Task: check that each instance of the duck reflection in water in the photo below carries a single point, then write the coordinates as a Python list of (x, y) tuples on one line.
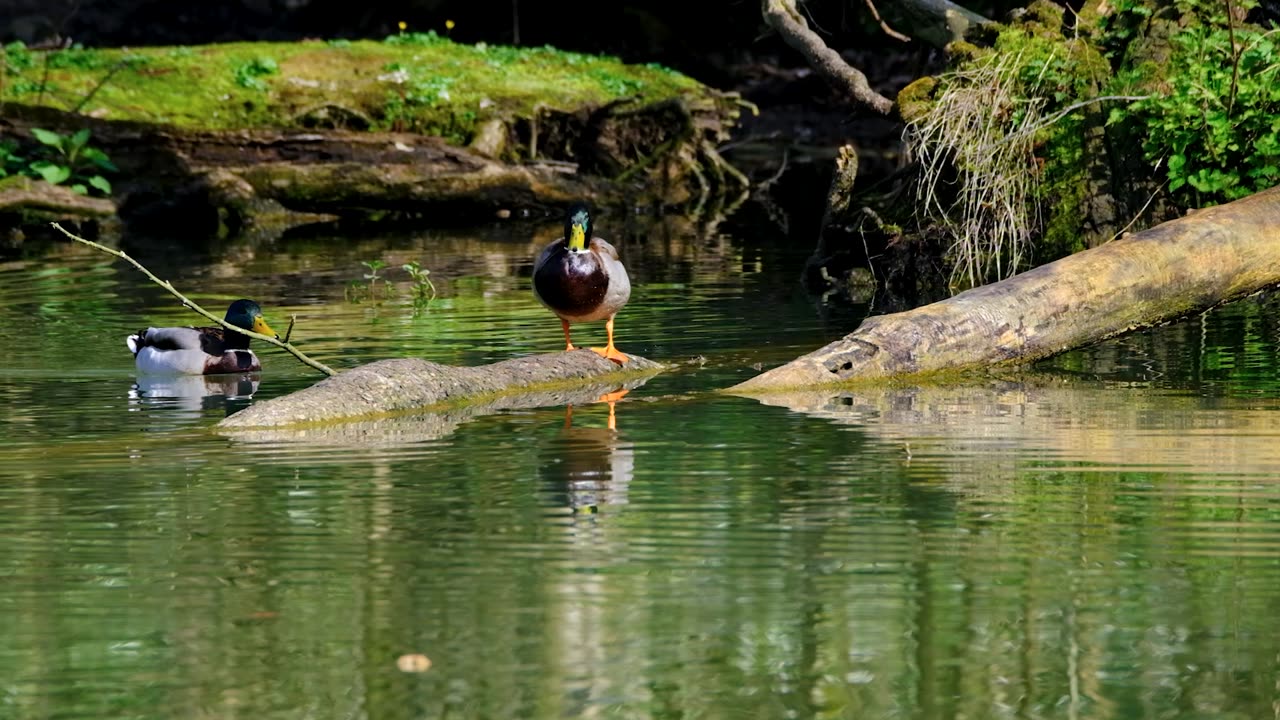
[(195, 393), (588, 468)]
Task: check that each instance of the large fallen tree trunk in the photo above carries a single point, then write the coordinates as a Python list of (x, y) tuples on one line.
[(1170, 271), (412, 384)]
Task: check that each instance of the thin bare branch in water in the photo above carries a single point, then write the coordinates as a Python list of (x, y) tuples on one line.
[(186, 302)]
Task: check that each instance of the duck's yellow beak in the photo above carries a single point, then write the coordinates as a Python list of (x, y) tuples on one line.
[(261, 327), (577, 237)]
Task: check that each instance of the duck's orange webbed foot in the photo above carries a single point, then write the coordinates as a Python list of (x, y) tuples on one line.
[(609, 352)]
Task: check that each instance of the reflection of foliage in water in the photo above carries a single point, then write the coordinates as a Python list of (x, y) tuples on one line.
[(766, 562)]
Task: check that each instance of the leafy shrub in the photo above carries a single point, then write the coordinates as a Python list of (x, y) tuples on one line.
[(70, 159), (1212, 118)]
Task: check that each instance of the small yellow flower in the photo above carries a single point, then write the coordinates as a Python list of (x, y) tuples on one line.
[(403, 25), (448, 24)]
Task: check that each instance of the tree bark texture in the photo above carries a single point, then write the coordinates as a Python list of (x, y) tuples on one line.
[(1170, 271)]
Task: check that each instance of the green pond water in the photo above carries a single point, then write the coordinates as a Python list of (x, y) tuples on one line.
[(1098, 539)]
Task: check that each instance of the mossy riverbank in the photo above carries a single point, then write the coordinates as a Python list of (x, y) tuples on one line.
[(225, 126), (419, 83)]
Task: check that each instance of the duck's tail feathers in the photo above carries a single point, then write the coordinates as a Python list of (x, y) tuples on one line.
[(134, 342)]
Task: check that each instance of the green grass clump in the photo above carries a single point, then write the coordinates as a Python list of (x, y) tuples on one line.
[(417, 82)]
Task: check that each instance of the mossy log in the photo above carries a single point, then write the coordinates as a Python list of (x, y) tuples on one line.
[(407, 385), (1170, 271), (23, 195)]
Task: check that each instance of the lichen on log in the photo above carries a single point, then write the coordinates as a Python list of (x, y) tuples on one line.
[(1162, 274), (411, 384)]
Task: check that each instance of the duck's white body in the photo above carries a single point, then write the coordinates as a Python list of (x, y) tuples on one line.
[(187, 351)]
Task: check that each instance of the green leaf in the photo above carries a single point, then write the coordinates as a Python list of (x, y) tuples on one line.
[(48, 137), (52, 173), (80, 138), (80, 189), (101, 183), (99, 158)]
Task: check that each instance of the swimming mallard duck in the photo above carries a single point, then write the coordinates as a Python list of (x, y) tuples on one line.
[(201, 350), (582, 280)]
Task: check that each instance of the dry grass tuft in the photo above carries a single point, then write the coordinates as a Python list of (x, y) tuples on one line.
[(979, 177)]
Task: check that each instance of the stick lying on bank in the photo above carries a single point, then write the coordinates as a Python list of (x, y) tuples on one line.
[(193, 306), (1165, 273)]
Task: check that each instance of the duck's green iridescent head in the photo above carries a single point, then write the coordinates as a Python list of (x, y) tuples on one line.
[(577, 226), (246, 314)]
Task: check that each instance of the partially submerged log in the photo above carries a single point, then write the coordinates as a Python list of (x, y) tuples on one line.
[(1170, 271), (399, 430), (408, 385)]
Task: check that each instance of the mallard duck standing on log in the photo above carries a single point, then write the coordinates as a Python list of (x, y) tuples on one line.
[(580, 279)]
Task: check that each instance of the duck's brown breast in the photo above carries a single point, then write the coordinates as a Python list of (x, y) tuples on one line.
[(571, 283)]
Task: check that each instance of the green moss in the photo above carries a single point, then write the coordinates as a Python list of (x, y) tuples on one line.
[(415, 82), (1058, 72), (960, 52), (915, 99), (1043, 18)]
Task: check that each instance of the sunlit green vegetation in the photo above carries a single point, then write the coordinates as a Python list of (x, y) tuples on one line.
[(417, 82)]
